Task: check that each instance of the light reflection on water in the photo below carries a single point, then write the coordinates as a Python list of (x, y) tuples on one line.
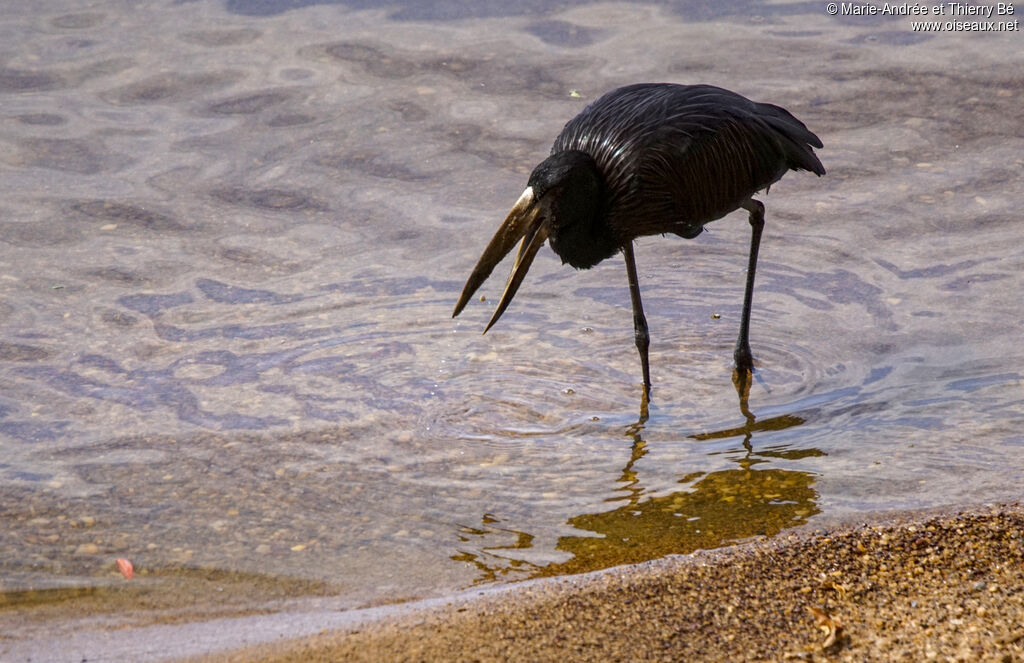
[(712, 510), (228, 258)]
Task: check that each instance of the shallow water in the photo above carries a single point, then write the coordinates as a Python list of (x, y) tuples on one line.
[(231, 238)]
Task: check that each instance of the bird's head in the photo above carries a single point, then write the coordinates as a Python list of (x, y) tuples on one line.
[(562, 195)]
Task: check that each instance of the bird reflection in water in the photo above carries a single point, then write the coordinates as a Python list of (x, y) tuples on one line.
[(649, 159), (715, 509)]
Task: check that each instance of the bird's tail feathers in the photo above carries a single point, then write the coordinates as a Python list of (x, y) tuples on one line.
[(797, 136)]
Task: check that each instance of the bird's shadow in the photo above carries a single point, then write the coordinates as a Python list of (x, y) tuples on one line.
[(742, 379), (711, 509)]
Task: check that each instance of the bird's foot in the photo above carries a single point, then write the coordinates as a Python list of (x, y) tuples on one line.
[(645, 402), (742, 379), (744, 359)]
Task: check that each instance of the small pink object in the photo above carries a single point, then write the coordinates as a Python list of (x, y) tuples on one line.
[(126, 568)]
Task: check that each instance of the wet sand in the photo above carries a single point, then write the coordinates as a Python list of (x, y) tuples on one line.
[(939, 586)]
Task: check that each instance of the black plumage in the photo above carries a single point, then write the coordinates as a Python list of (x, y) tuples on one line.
[(649, 159)]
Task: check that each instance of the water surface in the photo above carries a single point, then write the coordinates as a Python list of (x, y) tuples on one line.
[(231, 237)]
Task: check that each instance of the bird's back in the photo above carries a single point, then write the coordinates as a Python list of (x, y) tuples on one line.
[(675, 157)]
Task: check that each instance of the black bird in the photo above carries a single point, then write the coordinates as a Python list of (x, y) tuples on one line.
[(649, 159)]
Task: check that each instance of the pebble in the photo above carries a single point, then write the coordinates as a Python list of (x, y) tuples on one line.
[(747, 603)]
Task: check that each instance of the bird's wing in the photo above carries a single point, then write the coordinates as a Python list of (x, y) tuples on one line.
[(686, 154)]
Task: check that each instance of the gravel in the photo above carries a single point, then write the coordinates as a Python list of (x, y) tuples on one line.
[(947, 587)]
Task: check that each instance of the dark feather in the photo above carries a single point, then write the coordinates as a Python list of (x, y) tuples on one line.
[(675, 157), (650, 159)]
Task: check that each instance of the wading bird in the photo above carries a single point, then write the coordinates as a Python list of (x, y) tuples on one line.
[(649, 159)]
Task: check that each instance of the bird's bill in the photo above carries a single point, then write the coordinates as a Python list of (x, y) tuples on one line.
[(524, 223), (527, 251)]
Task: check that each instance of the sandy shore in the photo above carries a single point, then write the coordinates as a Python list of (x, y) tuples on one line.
[(945, 587)]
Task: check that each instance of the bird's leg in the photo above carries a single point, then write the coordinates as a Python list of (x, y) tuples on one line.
[(643, 339), (744, 358)]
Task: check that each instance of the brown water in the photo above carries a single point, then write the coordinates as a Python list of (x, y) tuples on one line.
[(230, 244)]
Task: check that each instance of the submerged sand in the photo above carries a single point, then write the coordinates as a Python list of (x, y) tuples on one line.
[(946, 587)]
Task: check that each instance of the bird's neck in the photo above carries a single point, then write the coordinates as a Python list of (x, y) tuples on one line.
[(585, 242), (574, 197)]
